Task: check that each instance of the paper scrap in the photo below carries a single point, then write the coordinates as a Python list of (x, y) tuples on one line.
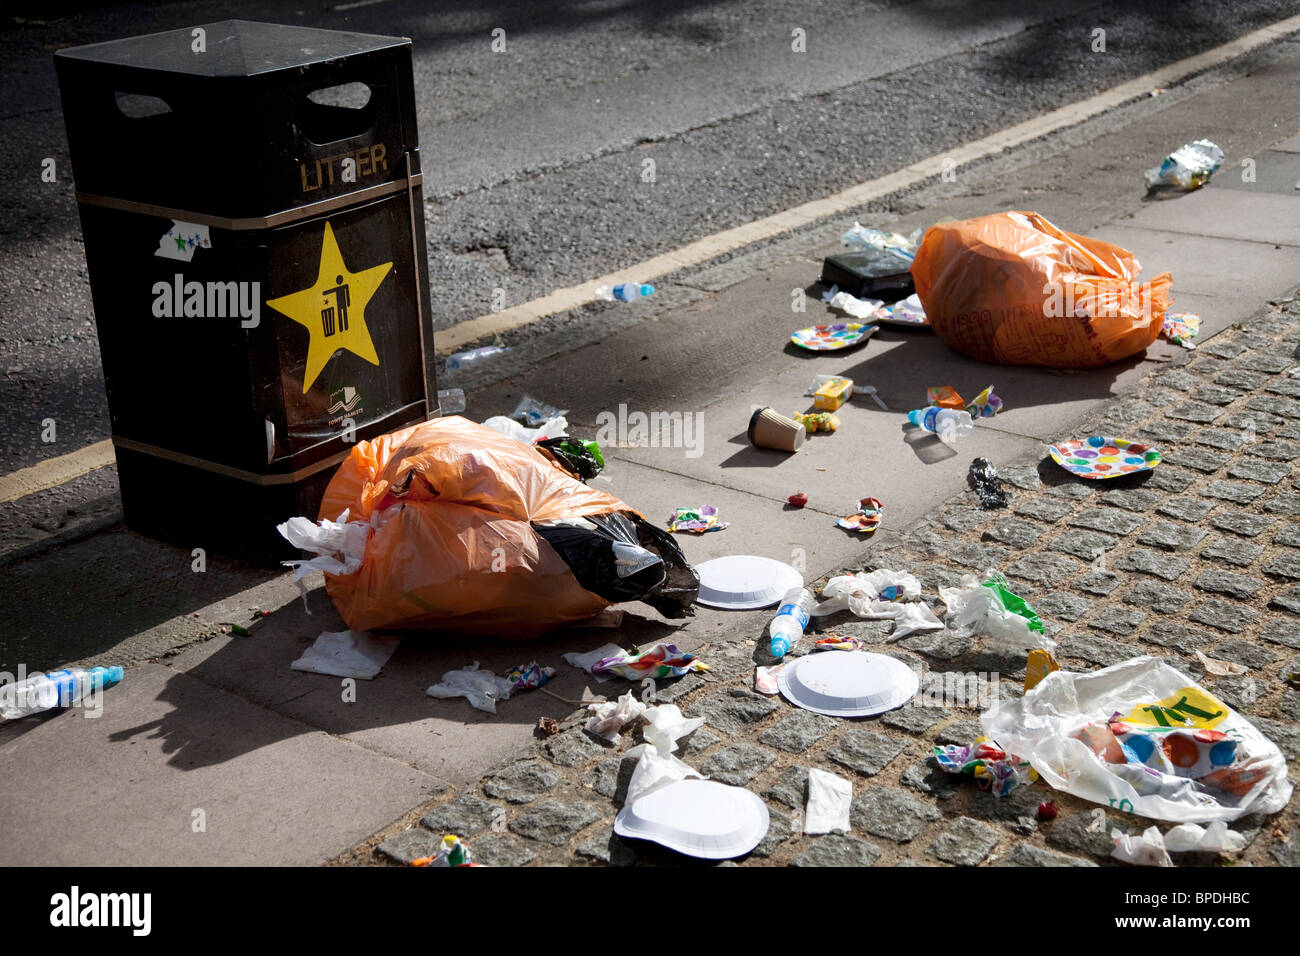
[(829, 799)]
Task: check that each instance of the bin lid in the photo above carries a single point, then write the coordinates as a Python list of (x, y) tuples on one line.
[(232, 48)]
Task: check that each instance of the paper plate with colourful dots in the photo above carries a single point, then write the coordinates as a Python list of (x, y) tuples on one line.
[(1104, 457), (826, 338)]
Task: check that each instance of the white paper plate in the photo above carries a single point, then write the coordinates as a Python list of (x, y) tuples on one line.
[(743, 582), (700, 818), (848, 684)]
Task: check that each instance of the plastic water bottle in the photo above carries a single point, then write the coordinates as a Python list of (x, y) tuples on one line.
[(56, 689), (465, 359), (451, 401), (625, 292), (948, 423), (787, 627)]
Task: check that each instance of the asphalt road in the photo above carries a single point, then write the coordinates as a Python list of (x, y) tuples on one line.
[(535, 157)]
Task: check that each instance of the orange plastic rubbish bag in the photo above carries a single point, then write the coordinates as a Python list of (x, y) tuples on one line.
[(451, 505), (1013, 289)]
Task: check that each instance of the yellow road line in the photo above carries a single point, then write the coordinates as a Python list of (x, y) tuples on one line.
[(55, 471)]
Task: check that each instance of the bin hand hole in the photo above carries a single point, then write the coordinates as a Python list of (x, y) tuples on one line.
[(351, 96), (141, 106), (336, 113)]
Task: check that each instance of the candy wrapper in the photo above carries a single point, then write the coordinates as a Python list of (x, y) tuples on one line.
[(1188, 167), (696, 520), (866, 519), (836, 643), (991, 767), (662, 660), (817, 421), (1039, 665), (451, 853), (1181, 327), (527, 676), (985, 405), (945, 396)]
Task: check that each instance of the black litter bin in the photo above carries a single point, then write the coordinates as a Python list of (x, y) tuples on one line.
[(250, 197)]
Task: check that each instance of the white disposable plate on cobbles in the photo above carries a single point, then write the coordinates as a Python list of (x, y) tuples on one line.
[(743, 582), (848, 684), (700, 818)]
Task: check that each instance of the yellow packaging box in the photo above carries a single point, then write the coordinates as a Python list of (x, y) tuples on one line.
[(833, 394)]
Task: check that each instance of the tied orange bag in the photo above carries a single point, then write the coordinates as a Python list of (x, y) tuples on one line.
[(1013, 289), (452, 546)]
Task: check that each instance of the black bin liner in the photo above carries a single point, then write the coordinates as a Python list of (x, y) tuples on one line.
[(622, 557)]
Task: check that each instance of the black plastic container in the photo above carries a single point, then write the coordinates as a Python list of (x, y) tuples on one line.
[(870, 274), (256, 259)]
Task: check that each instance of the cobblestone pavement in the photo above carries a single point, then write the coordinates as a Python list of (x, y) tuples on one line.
[(1203, 553)]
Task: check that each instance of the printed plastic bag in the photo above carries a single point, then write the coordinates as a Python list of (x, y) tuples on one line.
[(992, 608), (1013, 289), (1219, 766), (458, 542)]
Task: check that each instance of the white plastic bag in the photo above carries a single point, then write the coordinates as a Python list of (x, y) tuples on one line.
[(1041, 727), (1145, 850), (974, 609), (1216, 838), (551, 428), (339, 545)]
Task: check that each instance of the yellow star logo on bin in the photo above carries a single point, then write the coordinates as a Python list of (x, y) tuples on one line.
[(334, 309)]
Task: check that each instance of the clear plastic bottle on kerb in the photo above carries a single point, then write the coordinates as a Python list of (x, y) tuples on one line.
[(788, 625), (948, 423), (56, 689), (465, 359), (625, 292)]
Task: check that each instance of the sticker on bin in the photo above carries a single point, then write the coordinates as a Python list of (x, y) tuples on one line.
[(182, 240)]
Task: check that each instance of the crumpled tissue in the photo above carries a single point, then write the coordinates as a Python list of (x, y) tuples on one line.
[(481, 688), (608, 719)]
